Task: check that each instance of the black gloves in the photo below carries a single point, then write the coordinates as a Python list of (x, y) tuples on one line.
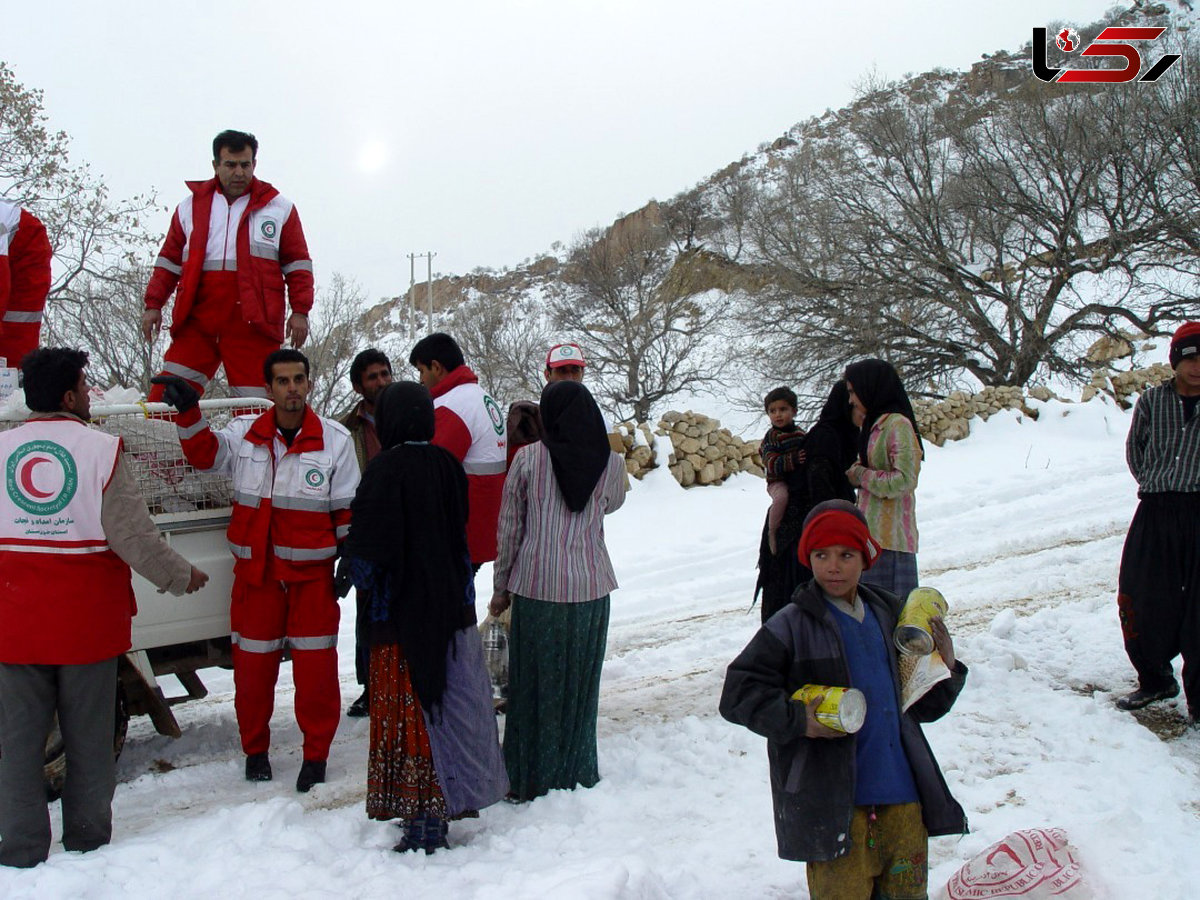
[(177, 392)]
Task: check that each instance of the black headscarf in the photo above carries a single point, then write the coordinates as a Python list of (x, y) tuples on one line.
[(573, 432), (881, 391), (409, 518), (834, 436)]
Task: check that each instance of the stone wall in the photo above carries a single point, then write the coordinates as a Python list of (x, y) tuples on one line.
[(949, 419), (699, 451)]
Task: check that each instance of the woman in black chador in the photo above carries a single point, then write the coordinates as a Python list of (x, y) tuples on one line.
[(829, 450)]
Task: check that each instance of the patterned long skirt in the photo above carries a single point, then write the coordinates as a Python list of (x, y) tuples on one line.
[(556, 652), (401, 780)]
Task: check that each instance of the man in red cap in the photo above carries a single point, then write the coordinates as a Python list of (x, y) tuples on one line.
[(858, 809), (564, 362), (1159, 584)]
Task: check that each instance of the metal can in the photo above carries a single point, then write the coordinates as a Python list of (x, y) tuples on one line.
[(495, 656), (843, 709), (913, 635)]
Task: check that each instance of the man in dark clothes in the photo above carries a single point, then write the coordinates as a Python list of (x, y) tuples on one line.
[(1159, 585), (370, 373)]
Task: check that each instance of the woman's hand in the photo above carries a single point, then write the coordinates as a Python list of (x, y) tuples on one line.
[(942, 642), (854, 474), (501, 600), (814, 728)]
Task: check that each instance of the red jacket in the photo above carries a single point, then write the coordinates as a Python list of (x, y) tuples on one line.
[(291, 505), (271, 250), (25, 255), (470, 424)]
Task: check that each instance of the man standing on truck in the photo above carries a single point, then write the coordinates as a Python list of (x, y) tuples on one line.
[(25, 256), (294, 475), (370, 373), (233, 244), (71, 524)]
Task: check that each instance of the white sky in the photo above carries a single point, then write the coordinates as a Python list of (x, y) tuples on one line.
[(483, 131)]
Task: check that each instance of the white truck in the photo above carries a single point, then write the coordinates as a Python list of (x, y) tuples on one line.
[(171, 635)]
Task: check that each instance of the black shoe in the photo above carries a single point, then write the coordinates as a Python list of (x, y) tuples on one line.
[(1142, 697), (360, 708), (258, 767), (311, 772)]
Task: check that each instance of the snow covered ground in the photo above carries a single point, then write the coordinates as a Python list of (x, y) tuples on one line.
[(1021, 528)]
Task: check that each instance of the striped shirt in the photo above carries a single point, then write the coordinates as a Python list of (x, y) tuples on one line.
[(888, 483), (545, 551), (1163, 448)]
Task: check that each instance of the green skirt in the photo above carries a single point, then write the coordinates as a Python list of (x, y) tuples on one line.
[(556, 651)]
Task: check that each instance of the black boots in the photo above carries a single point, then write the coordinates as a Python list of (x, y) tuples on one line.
[(360, 708), (311, 772), (1142, 697), (426, 833), (258, 767)]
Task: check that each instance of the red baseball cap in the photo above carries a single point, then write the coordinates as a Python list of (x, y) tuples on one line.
[(564, 355)]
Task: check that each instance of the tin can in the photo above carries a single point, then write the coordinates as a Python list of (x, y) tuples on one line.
[(913, 635), (843, 708)]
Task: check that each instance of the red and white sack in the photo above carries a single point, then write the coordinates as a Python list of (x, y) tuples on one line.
[(1033, 864)]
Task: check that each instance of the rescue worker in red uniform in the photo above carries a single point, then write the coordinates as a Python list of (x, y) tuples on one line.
[(294, 474), (72, 523), (231, 248), (24, 281), (471, 425)]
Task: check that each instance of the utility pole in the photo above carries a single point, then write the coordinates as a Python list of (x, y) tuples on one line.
[(412, 284), (429, 281)]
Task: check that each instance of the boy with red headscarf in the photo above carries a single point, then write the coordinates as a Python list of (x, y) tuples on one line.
[(858, 809)]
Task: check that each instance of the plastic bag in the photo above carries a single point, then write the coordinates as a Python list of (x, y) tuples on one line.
[(1033, 864)]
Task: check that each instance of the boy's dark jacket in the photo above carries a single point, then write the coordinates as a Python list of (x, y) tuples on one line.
[(812, 779)]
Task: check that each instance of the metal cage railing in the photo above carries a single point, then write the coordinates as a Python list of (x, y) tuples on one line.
[(168, 482)]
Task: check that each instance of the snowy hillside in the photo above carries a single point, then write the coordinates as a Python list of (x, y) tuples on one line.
[(1021, 528)]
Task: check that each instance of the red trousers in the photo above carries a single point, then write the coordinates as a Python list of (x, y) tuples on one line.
[(20, 333), (302, 615), (216, 332)]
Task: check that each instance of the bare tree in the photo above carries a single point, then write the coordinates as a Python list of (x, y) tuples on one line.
[(504, 339), (95, 238), (647, 337), (104, 317), (336, 336), (966, 235)]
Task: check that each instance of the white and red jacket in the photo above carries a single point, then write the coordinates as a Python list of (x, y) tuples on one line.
[(470, 424), (258, 235), (67, 597), (25, 256), (291, 505)]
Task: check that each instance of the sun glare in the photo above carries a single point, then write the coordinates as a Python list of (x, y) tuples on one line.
[(372, 157)]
